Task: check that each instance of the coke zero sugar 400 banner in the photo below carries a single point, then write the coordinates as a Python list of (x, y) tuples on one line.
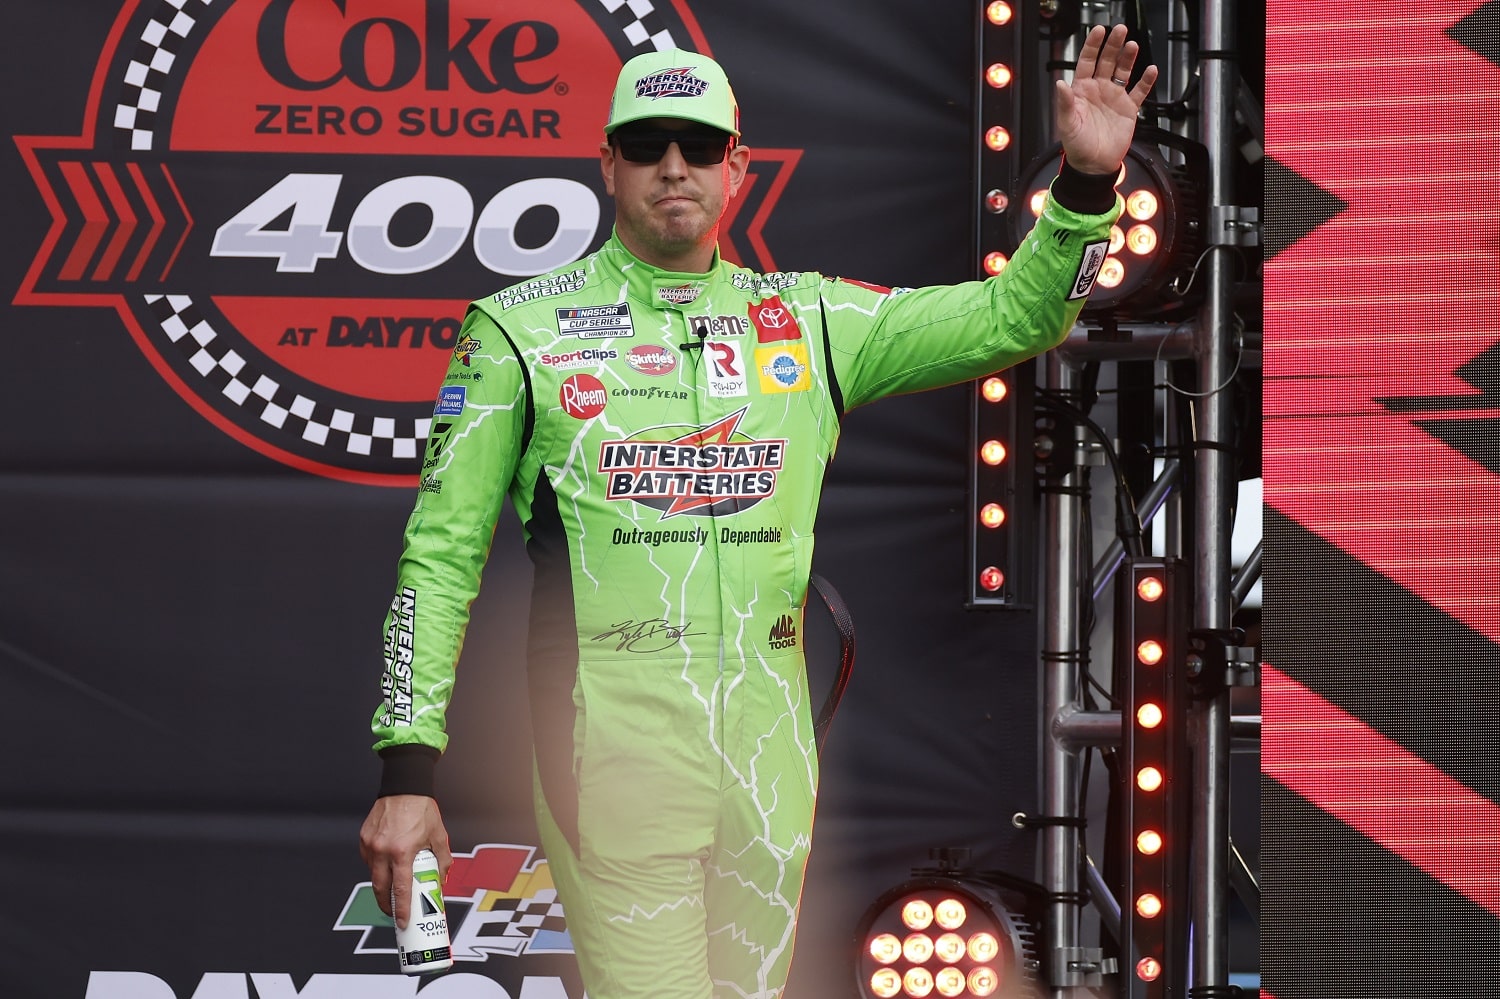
[(391, 159), (241, 238)]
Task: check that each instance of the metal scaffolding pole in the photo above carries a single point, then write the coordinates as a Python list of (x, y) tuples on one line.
[(1061, 761), (1213, 499)]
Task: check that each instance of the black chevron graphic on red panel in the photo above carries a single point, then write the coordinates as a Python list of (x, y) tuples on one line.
[(1468, 423), (1302, 207), (1480, 31), (1361, 921), (1370, 649), (1381, 698)]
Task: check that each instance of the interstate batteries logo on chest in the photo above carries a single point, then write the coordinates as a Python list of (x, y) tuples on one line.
[(708, 471), (290, 202)]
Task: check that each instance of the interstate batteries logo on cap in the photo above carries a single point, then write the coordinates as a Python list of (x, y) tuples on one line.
[(290, 202)]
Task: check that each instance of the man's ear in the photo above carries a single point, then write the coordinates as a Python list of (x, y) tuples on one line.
[(607, 167), (736, 164)]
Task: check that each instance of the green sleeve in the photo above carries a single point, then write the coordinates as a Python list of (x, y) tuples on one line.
[(472, 450), (909, 340)]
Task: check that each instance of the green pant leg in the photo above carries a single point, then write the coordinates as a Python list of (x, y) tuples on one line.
[(648, 802), (754, 876)]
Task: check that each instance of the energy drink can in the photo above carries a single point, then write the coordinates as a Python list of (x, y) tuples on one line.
[(423, 945)]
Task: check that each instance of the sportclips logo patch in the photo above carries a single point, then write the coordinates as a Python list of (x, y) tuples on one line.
[(290, 202), (712, 471), (499, 901)]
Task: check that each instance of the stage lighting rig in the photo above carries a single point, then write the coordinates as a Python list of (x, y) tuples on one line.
[(1155, 246), (1001, 539), (1152, 651), (949, 934)]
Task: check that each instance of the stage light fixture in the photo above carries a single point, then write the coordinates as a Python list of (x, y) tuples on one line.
[(959, 937), (1152, 646), (1001, 547), (1161, 234)]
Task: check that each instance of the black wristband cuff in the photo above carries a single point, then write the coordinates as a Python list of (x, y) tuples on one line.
[(410, 769), (1084, 193)]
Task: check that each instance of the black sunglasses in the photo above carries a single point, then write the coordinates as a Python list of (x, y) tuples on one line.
[(698, 148)]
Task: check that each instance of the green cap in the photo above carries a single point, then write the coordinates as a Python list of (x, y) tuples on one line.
[(672, 83)]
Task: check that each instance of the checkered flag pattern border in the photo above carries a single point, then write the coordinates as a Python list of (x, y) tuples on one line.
[(262, 397), (529, 915), (155, 54), (641, 24)]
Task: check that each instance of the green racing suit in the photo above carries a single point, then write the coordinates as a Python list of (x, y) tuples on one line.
[(663, 438)]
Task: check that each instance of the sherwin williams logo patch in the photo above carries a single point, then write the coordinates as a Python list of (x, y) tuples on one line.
[(649, 360), (676, 82), (583, 397), (712, 471), (450, 401), (783, 369), (290, 202)]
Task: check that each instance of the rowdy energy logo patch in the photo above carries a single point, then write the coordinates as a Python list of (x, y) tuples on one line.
[(708, 471), (290, 202)]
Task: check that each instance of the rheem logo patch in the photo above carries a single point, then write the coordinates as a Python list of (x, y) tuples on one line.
[(583, 397)]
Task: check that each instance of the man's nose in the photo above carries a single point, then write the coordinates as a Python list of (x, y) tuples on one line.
[(672, 163)]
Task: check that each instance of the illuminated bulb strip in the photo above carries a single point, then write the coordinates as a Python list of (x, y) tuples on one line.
[(999, 13)]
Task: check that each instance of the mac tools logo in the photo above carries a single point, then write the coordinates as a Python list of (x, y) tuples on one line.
[(290, 202)]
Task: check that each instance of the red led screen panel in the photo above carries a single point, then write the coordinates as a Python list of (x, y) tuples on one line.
[(1380, 852)]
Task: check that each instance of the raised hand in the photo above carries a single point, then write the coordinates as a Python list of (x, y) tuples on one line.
[(1096, 113)]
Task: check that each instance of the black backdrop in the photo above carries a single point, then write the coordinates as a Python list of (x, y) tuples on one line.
[(189, 628)]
